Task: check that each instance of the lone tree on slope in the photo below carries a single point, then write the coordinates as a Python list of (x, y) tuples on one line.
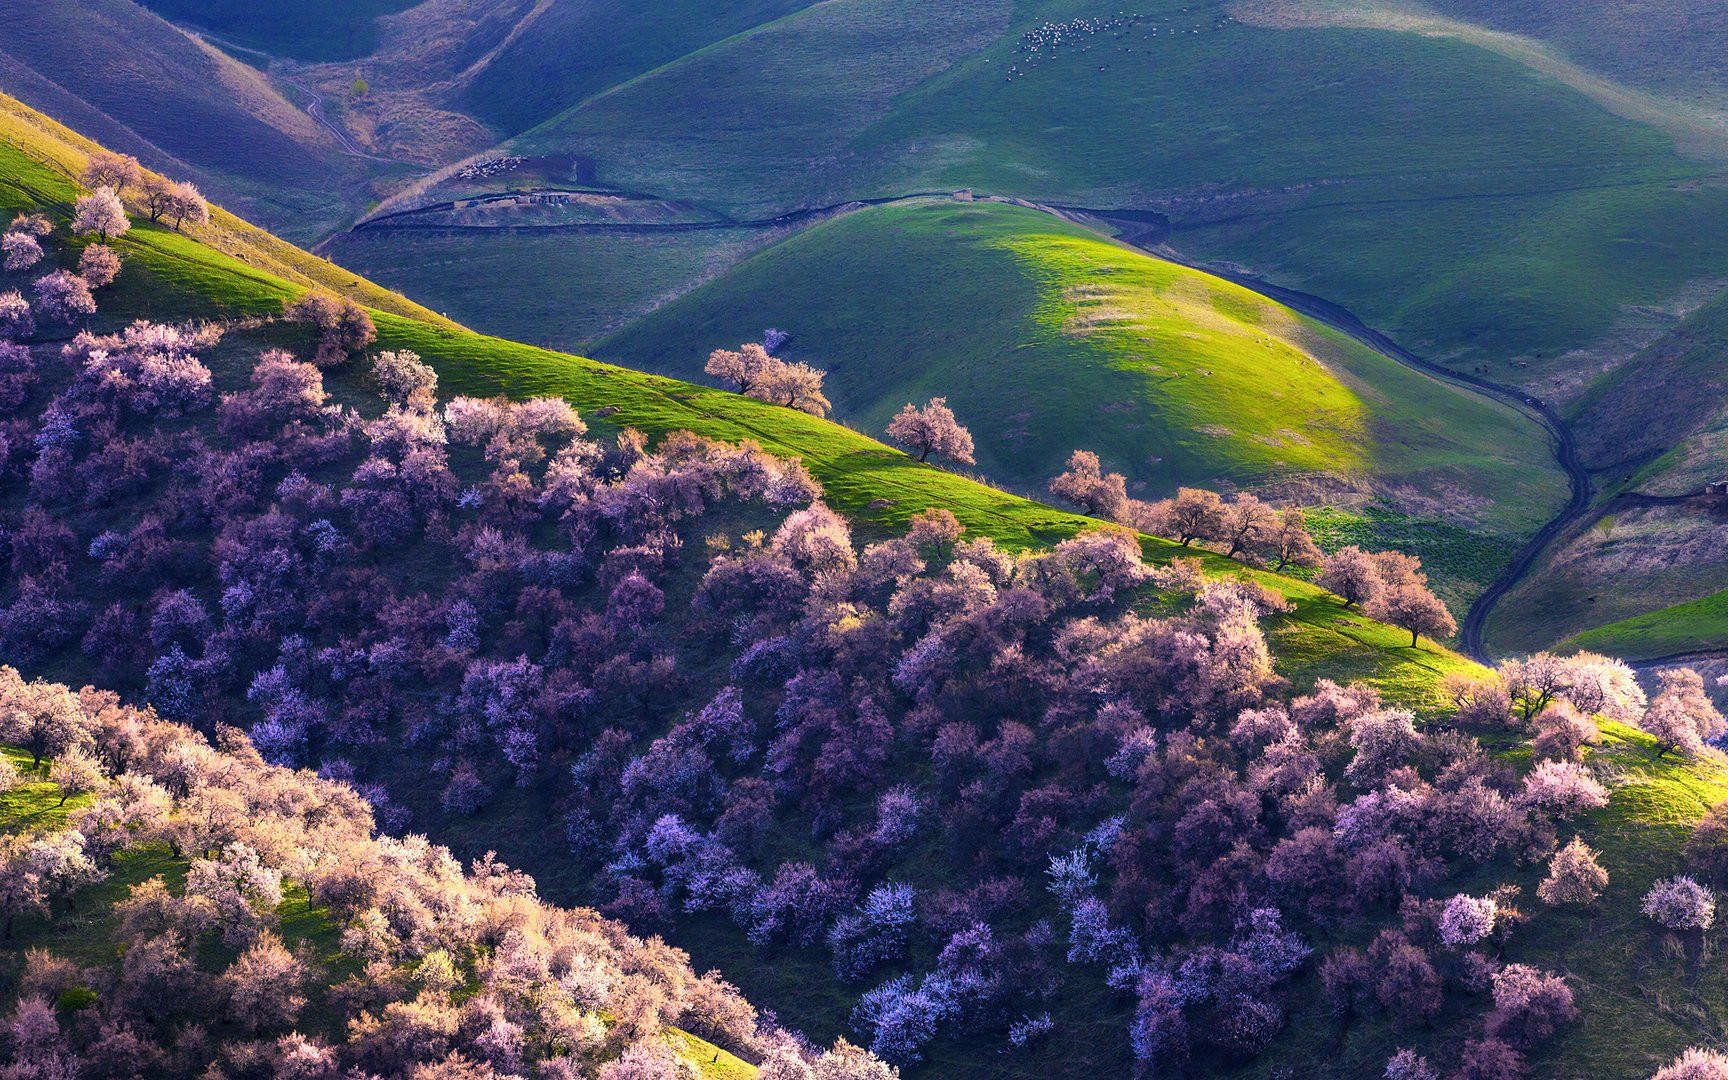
[(743, 368), (100, 212), (1404, 599), (343, 326), (932, 430), (110, 170)]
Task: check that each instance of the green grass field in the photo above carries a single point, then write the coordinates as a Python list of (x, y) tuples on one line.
[(1694, 626), (1046, 336)]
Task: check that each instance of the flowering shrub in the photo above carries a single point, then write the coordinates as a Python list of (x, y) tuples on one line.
[(1680, 903), (1466, 920)]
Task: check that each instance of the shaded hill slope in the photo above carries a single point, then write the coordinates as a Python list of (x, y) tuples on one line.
[(185, 99), (530, 79), (303, 29)]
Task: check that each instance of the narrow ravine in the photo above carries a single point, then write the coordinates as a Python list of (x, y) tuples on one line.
[(1148, 231)]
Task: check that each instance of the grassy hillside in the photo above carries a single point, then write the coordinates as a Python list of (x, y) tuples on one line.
[(1402, 213), (1046, 336), (1671, 45), (1642, 998), (600, 283), (229, 266), (1695, 626), (1636, 567)]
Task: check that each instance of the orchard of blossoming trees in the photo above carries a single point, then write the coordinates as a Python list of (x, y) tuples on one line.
[(1389, 585), (974, 782), (443, 972)]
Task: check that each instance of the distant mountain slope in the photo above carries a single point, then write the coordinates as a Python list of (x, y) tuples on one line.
[(1045, 337), (304, 29), (576, 48), (1676, 46), (188, 100), (1236, 130)]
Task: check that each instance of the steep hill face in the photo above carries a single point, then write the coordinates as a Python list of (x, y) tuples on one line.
[(179, 103), (979, 786), (302, 29)]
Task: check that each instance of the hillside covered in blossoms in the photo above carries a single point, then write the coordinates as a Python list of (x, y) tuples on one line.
[(383, 699)]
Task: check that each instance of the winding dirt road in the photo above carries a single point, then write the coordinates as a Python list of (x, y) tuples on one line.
[(1147, 231), (315, 109)]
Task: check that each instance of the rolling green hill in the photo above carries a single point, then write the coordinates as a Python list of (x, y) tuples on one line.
[(1045, 335), (1403, 213), (1641, 1003), (1638, 576)]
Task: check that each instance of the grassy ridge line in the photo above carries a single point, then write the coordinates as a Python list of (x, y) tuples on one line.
[(87, 931), (879, 489), (62, 152), (173, 276), (1696, 130)]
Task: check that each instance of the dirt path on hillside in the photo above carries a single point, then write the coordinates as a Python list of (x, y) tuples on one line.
[(315, 109), (1147, 231)]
